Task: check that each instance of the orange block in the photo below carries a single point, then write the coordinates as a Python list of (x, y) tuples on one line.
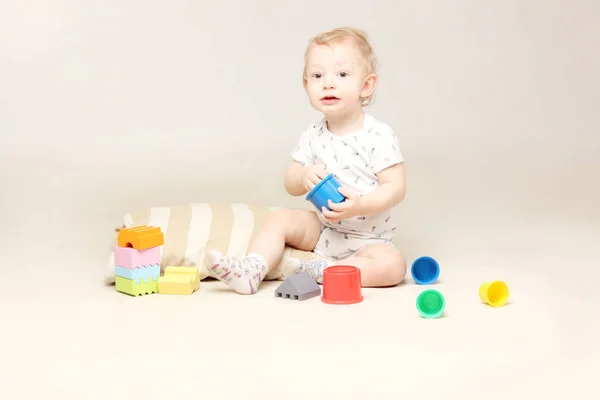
[(141, 237)]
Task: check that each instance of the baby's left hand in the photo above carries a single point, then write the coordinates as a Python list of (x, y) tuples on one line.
[(349, 208)]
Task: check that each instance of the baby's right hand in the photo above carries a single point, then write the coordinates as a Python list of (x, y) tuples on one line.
[(313, 175)]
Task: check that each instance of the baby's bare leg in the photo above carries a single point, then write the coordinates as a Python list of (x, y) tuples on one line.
[(299, 229), (380, 265), (296, 228)]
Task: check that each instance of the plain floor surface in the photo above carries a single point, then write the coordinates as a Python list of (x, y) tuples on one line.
[(66, 335)]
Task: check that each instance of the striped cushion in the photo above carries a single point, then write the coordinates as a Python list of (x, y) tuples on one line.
[(192, 229)]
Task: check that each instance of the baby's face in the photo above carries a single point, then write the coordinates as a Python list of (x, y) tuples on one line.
[(335, 78)]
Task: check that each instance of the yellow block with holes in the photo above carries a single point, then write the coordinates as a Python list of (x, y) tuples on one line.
[(179, 280)]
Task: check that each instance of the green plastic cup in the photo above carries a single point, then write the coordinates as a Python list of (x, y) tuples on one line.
[(430, 303)]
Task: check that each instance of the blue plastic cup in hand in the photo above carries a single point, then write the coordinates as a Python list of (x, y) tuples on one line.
[(425, 270), (324, 191)]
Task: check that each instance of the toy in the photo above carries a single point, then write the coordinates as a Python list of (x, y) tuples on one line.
[(179, 280), (431, 304), (425, 270), (301, 287), (129, 286), (324, 191), (342, 285), (137, 274), (137, 262), (494, 293), (141, 237), (128, 257)]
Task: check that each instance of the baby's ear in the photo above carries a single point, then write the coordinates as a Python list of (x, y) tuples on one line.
[(370, 84)]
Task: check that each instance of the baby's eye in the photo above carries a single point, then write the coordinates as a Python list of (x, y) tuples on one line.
[(343, 74), (316, 75)]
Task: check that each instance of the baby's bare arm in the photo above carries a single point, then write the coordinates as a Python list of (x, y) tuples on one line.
[(299, 180), (391, 191), (294, 179)]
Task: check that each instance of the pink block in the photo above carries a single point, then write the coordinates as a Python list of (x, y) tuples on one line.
[(127, 257)]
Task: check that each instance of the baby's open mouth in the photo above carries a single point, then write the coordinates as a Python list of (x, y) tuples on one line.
[(329, 98)]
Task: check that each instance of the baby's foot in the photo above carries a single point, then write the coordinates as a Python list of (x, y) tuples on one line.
[(313, 267), (242, 275), (290, 268)]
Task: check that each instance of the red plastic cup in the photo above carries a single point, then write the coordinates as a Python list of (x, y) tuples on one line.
[(342, 285)]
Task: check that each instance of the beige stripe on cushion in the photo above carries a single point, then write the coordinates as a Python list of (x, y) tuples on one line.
[(198, 234), (221, 226), (260, 216), (176, 237), (301, 254), (243, 225)]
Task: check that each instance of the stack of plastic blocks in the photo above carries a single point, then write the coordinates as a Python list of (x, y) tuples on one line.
[(137, 260)]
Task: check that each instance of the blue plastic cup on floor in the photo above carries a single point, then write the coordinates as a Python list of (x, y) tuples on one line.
[(325, 190), (425, 270)]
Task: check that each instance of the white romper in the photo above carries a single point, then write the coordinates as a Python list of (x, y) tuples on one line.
[(354, 159)]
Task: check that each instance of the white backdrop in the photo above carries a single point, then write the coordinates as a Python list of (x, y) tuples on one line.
[(111, 106)]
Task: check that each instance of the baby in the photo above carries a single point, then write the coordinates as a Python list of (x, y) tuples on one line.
[(364, 156)]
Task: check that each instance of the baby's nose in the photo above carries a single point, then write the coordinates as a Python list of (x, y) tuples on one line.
[(327, 82), (328, 85)]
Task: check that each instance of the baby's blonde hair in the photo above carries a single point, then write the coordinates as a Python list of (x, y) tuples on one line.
[(338, 35)]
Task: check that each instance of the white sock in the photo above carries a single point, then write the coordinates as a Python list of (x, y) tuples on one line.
[(314, 267), (242, 275)]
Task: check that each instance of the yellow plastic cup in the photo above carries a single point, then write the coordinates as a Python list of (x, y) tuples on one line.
[(494, 293)]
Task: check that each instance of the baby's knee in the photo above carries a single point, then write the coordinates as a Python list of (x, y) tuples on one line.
[(283, 222), (281, 216), (392, 269), (286, 217)]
